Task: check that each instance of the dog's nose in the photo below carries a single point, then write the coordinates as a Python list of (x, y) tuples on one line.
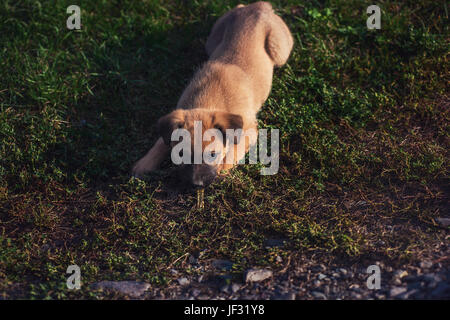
[(202, 175), (197, 182)]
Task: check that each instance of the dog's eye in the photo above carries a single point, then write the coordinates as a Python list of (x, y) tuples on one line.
[(215, 154)]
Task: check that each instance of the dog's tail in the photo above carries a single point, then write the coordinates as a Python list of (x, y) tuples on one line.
[(279, 41)]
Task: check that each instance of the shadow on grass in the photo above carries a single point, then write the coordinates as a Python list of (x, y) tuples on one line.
[(133, 84)]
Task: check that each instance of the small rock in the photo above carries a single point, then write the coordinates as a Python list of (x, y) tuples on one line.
[(319, 268), (343, 271), (235, 287), (326, 290), (255, 275), (396, 291), (361, 203), (399, 274), (354, 286), (225, 288), (321, 276), (130, 288), (285, 296), (445, 222), (426, 264), (173, 272), (183, 281), (319, 295), (356, 295), (380, 296), (195, 293), (279, 259)]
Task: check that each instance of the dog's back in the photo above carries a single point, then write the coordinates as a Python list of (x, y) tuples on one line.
[(249, 33), (244, 46)]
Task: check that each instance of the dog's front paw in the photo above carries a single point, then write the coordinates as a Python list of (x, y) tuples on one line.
[(139, 170)]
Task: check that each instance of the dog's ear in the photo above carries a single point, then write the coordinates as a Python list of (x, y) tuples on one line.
[(225, 120), (168, 123)]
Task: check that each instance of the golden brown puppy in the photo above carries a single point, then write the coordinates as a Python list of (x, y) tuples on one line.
[(227, 92)]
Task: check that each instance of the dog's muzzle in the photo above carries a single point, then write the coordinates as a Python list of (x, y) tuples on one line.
[(197, 175)]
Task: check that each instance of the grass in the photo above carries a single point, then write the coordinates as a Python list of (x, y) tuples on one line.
[(363, 119)]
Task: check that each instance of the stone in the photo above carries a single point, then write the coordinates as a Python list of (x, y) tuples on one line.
[(235, 287), (183, 281), (445, 222), (285, 296), (343, 271), (133, 289), (225, 288), (195, 293), (319, 268), (319, 295), (396, 291), (256, 275), (354, 286), (426, 264), (321, 276), (355, 295), (380, 296), (399, 274)]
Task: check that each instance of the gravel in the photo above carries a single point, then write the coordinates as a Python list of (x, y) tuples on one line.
[(132, 289), (256, 275), (302, 279)]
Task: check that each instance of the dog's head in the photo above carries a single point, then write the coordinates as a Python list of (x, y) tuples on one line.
[(209, 142)]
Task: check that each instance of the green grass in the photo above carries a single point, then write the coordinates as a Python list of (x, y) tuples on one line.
[(363, 119)]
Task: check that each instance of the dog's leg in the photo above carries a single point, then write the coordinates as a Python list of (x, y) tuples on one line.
[(239, 150), (152, 159), (218, 30)]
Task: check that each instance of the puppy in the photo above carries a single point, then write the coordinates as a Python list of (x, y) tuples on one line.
[(227, 92)]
